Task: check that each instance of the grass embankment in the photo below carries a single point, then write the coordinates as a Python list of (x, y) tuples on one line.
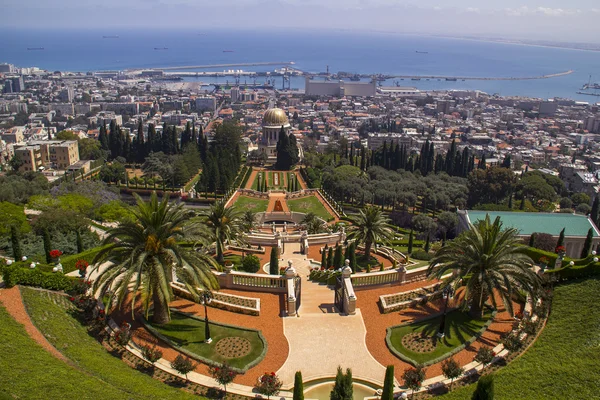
[(245, 203), (309, 204), (563, 362), (188, 334), (459, 328), (50, 312)]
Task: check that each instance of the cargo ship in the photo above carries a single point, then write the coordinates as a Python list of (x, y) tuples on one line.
[(110, 37), (161, 48), (35, 48), (227, 51)]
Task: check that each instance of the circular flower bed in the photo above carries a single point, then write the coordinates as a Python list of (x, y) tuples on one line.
[(419, 343), (233, 347)]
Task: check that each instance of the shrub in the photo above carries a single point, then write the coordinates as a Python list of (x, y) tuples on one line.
[(544, 241), (223, 374), (451, 369), (530, 327), (421, 255), (123, 335), (251, 264), (183, 365), (484, 355), (388, 384), (413, 378), (484, 389), (298, 386), (512, 342), (151, 353), (18, 274), (268, 384)]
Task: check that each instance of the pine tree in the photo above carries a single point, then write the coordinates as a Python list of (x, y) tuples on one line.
[(15, 243), (298, 386), (274, 261), (587, 245), (410, 242), (388, 384)]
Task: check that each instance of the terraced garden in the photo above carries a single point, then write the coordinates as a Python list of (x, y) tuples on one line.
[(309, 204), (246, 203)]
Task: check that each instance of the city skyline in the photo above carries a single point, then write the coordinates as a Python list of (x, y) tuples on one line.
[(548, 20)]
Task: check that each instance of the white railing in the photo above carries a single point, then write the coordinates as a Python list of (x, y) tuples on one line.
[(375, 278), (241, 280)]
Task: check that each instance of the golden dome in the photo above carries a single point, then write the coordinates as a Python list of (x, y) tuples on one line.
[(275, 117)]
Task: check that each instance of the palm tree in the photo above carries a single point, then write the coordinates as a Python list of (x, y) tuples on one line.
[(492, 259), (144, 253), (225, 224), (370, 226), (248, 220), (312, 223)]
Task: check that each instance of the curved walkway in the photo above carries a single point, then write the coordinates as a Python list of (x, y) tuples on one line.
[(12, 301)]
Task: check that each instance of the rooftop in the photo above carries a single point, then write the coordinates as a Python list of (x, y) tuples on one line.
[(527, 223)]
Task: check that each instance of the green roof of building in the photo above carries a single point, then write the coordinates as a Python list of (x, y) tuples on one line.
[(527, 223)]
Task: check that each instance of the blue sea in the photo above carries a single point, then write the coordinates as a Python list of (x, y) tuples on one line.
[(365, 53)]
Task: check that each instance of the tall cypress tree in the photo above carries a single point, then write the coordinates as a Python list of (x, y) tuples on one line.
[(337, 257), (15, 243), (186, 136), (561, 238), (324, 258), (103, 137), (388, 384), (587, 245), (78, 241), (410, 242), (330, 258), (352, 258), (450, 156), (47, 245), (274, 261), (595, 209), (140, 145), (298, 386), (284, 157)]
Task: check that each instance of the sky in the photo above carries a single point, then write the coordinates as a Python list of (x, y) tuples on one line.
[(575, 20)]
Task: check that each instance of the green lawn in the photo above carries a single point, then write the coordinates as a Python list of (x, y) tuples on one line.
[(50, 312), (309, 204), (255, 182), (246, 203), (459, 328), (563, 362), (188, 333)]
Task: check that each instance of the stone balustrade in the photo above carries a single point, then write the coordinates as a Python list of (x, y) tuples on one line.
[(389, 277), (225, 301)]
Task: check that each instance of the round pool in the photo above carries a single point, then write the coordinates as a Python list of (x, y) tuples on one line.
[(321, 391)]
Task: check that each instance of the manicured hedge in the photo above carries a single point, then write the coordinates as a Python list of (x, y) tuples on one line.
[(19, 275), (69, 262), (576, 271)]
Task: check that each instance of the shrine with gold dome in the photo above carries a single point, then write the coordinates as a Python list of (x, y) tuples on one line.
[(272, 122)]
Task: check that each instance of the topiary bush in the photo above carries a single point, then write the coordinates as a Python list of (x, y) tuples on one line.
[(421, 255), (17, 274), (250, 264)]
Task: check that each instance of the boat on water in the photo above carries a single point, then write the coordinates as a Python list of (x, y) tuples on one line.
[(415, 79), (227, 51), (421, 52), (161, 48), (589, 94), (110, 37), (451, 79), (35, 48)]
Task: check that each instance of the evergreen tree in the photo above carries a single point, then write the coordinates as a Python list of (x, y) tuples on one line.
[(140, 146), (103, 137), (362, 159), (337, 258), (174, 145), (388, 384), (532, 240), (274, 261), (330, 258), (450, 157), (15, 243), (595, 210), (324, 258), (484, 389), (587, 245), (186, 136), (78, 241), (353, 261), (47, 245), (506, 162), (298, 386), (426, 248), (285, 154), (561, 238), (522, 205), (347, 254), (342, 389), (194, 138), (410, 242)]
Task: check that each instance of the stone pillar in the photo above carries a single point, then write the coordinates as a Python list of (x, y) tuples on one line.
[(290, 274), (402, 274), (350, 307)]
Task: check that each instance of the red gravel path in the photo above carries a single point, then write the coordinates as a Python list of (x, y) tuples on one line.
[(11, 299)]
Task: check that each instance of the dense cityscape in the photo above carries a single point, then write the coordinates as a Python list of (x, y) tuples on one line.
[(421, 243)]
